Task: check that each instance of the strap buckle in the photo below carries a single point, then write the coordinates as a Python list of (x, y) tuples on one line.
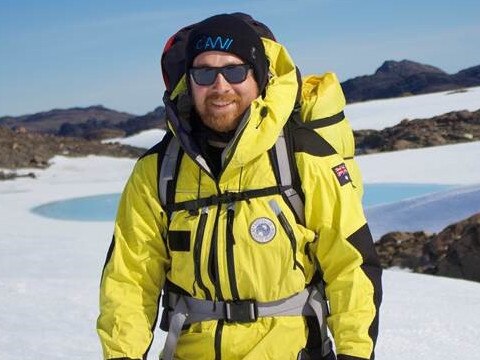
[(241, 311)]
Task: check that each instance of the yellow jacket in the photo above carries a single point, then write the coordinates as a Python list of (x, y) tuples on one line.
[(215, 253)]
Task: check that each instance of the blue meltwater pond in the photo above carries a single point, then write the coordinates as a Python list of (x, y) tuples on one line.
[(104, 207), (88, 208), (376, 194)]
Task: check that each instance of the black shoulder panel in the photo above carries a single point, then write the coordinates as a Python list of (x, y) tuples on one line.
[(160, 147), (308, 141), (363, 242), (327, 121)]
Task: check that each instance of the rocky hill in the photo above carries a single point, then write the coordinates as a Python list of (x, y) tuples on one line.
[(93, 123), (403, 78), (24, 149), (454, 252), (449, 128), (49, 122)]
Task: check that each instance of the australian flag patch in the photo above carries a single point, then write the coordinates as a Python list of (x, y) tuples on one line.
[(342, 174)]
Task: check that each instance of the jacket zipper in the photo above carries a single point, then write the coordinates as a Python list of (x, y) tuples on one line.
[(289, 231), (197, 252), (213, 269), (230, 252), (218, 340)]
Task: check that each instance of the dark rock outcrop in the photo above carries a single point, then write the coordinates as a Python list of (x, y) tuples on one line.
[(151, 120), (469, 77), (13, 175), (454, 252), (91, 130), (403, 78), (450, 128)]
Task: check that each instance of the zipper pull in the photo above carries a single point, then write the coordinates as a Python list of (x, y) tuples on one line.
[(230, 216), (194, 286), (288, 229), (274, 206)]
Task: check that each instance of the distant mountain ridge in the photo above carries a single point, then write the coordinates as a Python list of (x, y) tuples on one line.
[(93, 122), (50, 121), (402, 78), (391, 79)]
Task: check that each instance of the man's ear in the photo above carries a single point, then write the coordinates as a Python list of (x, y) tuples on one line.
[(268, 76), (188, 83), (263, 91)]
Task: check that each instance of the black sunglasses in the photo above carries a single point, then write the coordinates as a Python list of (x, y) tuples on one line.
[(234, 74)]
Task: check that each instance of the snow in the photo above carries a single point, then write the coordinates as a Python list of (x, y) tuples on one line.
[(447, 164), (378, 114), (50, 269), (428, 318), (144, 139)]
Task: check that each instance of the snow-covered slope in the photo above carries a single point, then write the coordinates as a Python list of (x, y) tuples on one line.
[(428, 318)]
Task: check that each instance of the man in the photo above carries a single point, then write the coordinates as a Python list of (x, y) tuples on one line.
[(227, 248)]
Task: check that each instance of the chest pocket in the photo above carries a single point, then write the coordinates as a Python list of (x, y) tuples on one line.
[(179, 240)]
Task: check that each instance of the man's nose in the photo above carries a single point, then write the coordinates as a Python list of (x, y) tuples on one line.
[(220, 83)]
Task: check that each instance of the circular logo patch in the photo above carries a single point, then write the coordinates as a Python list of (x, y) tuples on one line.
[(262, 230)]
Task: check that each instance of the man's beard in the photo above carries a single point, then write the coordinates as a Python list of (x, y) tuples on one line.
[(224, 121)]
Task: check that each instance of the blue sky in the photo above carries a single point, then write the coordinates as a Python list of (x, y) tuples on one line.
[(66, 53)]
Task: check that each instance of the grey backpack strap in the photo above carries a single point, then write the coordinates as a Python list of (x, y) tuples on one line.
[(285, 174), (177, 321), (167, 170), (319, 305)]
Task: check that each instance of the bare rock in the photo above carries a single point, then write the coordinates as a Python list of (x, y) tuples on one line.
[(454, 252), (24, 149), (450, 128)]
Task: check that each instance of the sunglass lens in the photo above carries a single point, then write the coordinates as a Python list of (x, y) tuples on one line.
[(235, 74), (204, 76)]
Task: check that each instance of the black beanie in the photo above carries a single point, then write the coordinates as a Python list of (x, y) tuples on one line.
[(230, 34)]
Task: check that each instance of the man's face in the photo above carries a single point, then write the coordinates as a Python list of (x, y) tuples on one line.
[(222, 104)]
